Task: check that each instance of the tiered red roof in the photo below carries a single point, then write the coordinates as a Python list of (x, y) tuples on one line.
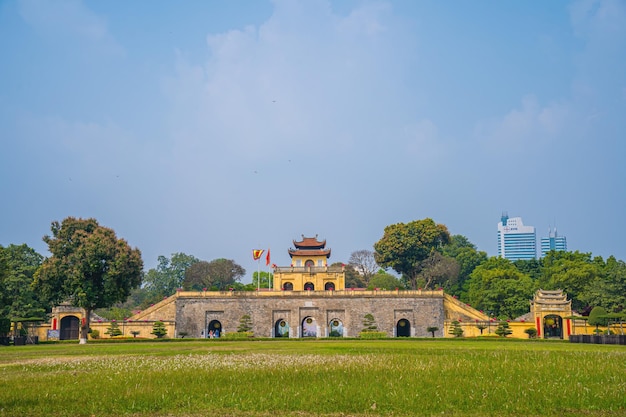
[(309, 246)]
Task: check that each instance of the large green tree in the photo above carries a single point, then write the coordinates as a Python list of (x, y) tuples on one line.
[(219, 274), (607, 290), (89, 266), (498, 288), (468, 258), (405, 246), (571, 272), (22, 302), (167, 277), (385, 281)]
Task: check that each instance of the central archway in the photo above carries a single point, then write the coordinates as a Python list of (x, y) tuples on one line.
[(69, 328), (281, 328), (403, 328), (214, 329), (552, 327), (309, 286), (309, 327)]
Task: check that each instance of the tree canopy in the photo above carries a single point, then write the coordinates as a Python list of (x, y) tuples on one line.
[(218, 274), (364, 263), (168, 276), (405, 246), (20, 264), (89, 266), (499, 289)]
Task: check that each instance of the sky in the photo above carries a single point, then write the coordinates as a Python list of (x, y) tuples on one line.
[(216, 127)]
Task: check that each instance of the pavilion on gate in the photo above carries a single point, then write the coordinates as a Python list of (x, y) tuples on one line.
[(309, 270)]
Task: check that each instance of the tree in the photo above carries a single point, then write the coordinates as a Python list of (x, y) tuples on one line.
[(364, 263), (218, 274), (369, 323), (224, 272), (439, 271), (353, 278), (197, 276), (503, 329), (21, 302), (89, 266), (404, 247), (597, 317), (498, 288), (432, 329), (608, 289), (571, 272), (266, 279), (468, 258), (158, 329), (168, 276), (113, 329), (245, 324), (385, 281), (456, 329)]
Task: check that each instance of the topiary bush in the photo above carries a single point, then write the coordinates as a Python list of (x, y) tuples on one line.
[(456, 329), (158, 329), (503, 329), (531, 332)]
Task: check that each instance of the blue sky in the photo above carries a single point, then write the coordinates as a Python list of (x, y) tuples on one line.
[(213, 128)]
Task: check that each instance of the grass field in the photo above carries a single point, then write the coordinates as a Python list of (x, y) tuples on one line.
[(302, 378)]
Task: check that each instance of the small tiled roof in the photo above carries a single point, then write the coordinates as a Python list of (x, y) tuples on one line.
[(309, 243)]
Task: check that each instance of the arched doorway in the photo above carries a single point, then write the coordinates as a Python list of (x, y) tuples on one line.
[(281, 328), (552, 327), (69, 328), (309, 327), (309, 263), (288, 286), (309, 286), (336, 328), (214, 330), (403, 328), (329, 286)]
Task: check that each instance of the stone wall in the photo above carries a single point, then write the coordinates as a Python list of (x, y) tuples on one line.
[(421, 309)]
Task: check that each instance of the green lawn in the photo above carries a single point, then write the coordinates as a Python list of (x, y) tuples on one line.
[(424, 377)]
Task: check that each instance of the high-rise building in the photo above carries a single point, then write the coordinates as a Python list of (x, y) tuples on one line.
[(515, 240), (553, 242)]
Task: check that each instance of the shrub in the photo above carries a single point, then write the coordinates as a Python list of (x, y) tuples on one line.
[(237, 335), (432, 330), (503, 329), (531, 332), (158, 329), (113, 329), (369, 324), (372, 335), (456, 329), (597, 317), (245, 324), (95, 333)]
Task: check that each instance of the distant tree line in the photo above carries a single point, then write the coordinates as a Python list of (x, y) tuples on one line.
[(87, 258)]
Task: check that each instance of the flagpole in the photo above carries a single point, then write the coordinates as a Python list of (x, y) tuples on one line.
[(258, 274), (269, 279)]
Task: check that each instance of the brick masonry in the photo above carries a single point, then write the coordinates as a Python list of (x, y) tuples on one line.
[(194, 313)]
